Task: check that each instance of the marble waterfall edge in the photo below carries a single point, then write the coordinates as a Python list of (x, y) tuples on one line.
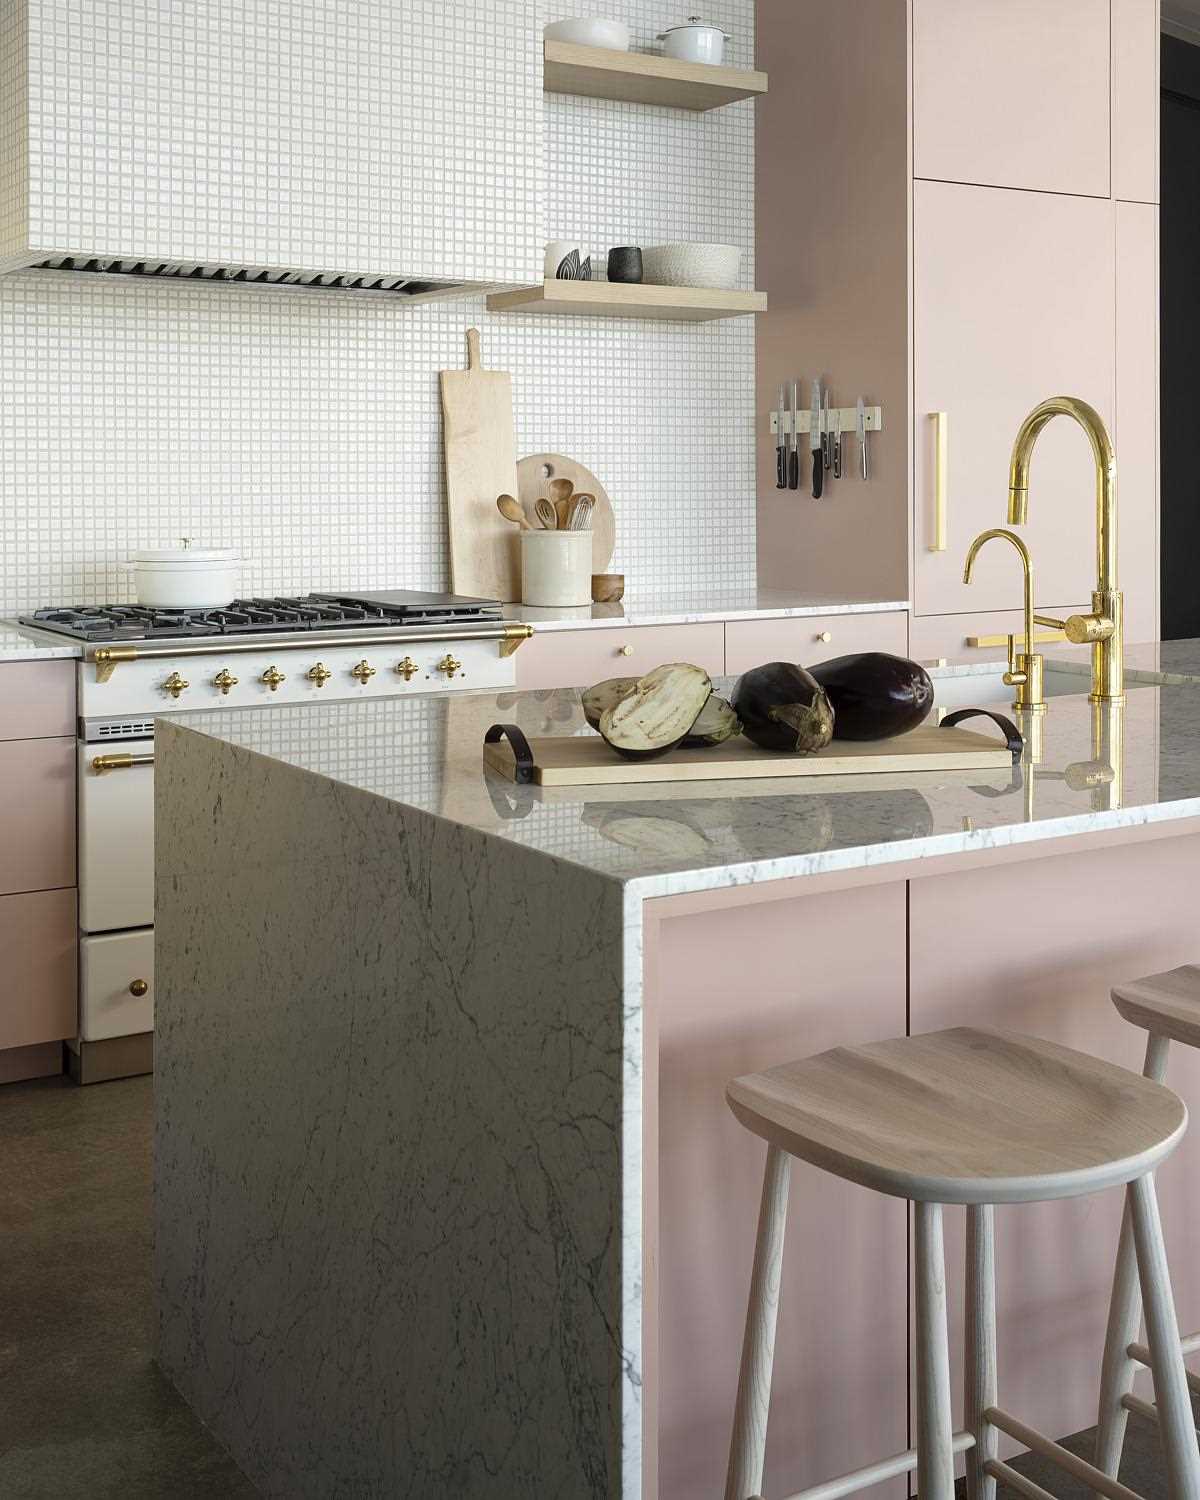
[(390, 1171)]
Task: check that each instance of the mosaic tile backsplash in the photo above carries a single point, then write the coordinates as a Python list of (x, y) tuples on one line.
[(304, 427)]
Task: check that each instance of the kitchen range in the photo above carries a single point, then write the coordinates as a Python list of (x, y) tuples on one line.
[(139, 661)]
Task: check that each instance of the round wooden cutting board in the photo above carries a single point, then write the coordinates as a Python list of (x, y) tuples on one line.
[(534, 474)]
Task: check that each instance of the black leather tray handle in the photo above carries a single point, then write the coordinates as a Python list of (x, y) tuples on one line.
[(522, 754), (1010, 731)]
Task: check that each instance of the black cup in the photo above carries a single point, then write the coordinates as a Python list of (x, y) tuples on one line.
[(625, 263)]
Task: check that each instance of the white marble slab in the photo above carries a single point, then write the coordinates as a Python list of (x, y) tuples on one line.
[(699, 605), (19, 644)]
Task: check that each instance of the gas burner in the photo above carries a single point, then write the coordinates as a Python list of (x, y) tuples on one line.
[(389, 608)]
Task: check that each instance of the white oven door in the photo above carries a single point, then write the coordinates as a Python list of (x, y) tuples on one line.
[(116, 834)]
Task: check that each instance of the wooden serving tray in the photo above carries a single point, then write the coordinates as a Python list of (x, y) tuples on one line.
[(566, 760)]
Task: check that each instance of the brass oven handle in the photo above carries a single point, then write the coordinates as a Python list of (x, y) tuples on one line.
[(123, 762), (941, 464)]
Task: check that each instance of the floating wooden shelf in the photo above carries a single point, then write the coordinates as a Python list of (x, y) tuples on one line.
[(599, 73), (611, 299)]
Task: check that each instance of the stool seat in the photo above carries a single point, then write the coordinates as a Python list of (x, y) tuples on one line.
[(1167, 1004), (964, 1116)]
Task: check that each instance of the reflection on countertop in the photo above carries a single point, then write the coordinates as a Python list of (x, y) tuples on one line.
[(1082, 771), (19, 644), (697, 605)]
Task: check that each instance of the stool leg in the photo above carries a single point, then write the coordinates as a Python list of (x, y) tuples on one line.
[(748, 1446), (1162, 1335), (935, 1435), (1124, 1317), (980, 1347)]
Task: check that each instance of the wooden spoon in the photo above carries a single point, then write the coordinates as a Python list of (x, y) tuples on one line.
[(560, 489), (546, 514), (562, 509), (510, 508)]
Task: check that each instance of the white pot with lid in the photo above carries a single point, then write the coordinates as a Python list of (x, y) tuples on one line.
[(695, 41), (186, 577)]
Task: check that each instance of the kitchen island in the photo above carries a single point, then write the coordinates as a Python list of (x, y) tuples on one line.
[(448, 1200)]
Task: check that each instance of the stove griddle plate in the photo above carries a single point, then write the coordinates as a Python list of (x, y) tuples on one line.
[(136, 622)]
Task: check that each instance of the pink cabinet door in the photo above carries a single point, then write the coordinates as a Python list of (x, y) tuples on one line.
[(577, 658), (1013, 302), (37, 815), (812, 638), (1136, 432), (37, 699), (980, 955), (38, 967), (1135, 49), (732, 990), (1012, 93)]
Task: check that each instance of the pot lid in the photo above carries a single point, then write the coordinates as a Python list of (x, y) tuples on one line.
[(693, 23), (187, 553)]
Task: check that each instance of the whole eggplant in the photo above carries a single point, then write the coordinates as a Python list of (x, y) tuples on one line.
[(782, 708), (875, 696)]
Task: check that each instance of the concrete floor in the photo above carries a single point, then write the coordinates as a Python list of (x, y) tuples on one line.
[(83, 1409)]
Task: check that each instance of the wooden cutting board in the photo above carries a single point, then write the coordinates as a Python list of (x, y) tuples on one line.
[(534, 474), (586, 760), (481, 463)]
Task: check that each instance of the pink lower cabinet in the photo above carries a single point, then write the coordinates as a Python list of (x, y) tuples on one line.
[(37, 815), (812, 638), (1036, 946), (577, 658), (37, 968), (732, 989)]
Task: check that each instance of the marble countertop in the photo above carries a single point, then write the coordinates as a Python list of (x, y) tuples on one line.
[(689, 608), (668, 837), (19, 644)]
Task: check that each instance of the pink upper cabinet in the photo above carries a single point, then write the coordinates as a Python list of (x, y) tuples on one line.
[(1013, 93), (1135, 49)]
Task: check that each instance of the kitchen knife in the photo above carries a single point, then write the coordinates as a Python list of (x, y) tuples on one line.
[(826, 432), (794, 456), (780, 449), (815, 442), (861, 426), (837, 442)]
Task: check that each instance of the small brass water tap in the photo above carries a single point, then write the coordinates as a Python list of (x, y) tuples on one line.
[(1024, 667)]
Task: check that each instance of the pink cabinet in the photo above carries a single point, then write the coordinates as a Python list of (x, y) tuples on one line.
[(732, 990), (1013, 302), (1135, 433), (1036, 946), (38, 962), (577, 658), (1135, 51), (37, 815), (1012, 93), (812, 638), (37, 699)]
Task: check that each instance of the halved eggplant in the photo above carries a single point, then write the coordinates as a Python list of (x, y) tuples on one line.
[(782, 707), (605, 695), (875, 696), (658, 713), (715, 724)]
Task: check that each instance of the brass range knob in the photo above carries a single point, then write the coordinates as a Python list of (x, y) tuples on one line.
[(407, 668), (175, 685), (320, 674), (449, 665), (225, 680), (363, 671), (138, 987), (273, 677)]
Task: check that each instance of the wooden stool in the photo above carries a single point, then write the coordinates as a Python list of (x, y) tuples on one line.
[(974, 1117), (1168, 1007)]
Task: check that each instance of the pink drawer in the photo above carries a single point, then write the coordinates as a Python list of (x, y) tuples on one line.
[(38, 967), (578, 658), (37, 699), (949, 637), (812, 638), (37, 815)]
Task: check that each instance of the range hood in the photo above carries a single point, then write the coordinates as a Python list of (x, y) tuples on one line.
[(299, 145)]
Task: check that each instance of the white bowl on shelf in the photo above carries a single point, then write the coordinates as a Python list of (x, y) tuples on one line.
[(594, 32), (691, 263)]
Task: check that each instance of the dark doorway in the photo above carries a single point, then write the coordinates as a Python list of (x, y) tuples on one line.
[(1179, 528)]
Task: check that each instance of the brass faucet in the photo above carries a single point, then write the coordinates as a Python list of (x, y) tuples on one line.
[(1024, 667), (1103, 629)]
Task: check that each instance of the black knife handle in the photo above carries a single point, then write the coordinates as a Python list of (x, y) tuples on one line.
[(780, 468), (818, 473), (794, 469)]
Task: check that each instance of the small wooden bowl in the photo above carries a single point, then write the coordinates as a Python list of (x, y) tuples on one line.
[(608, 588)]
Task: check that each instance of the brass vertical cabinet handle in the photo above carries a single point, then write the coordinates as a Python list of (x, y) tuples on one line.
[(941, 464)]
